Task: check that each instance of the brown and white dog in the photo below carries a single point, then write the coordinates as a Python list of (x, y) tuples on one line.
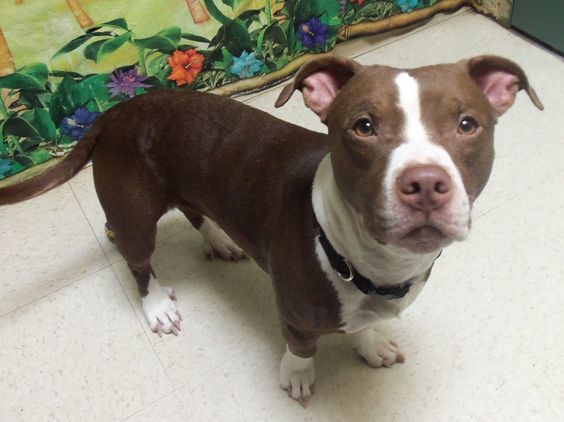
[(347, 224)]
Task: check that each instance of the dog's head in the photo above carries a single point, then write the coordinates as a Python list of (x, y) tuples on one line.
[(411, 149)]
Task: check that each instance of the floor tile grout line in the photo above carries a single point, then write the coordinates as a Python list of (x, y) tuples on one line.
[(55, 291), (485, 213), (184, 410), (89, 224), (72, 281), (523, 192), (124, 419), (110, 265), (219, 365), (142, 324)]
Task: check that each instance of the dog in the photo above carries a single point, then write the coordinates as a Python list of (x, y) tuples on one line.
[(348, 224)]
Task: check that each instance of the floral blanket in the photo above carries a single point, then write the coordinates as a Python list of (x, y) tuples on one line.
[(64, 62)]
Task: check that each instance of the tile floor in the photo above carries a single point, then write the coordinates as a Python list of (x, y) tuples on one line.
[(484, 341)]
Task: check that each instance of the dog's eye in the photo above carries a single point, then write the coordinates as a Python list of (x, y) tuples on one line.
[(364, 128), (468, 126)]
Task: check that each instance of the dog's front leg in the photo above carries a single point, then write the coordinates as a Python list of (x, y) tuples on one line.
[(297, 375), (376, 349)]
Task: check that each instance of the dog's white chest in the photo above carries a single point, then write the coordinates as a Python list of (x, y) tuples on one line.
[(385, 265), (359, 310)]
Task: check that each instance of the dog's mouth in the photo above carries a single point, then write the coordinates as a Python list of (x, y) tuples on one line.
[(420, 233), (424, 239), (421, 238)]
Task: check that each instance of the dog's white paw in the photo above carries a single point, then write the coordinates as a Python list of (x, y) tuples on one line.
[(160, 309), (218, 244), (297, 377), (376, 349)]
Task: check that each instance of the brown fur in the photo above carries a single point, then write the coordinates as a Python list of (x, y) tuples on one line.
[(253, 173), (201, 156)]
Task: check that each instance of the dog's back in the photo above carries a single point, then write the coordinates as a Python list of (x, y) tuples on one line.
[(207, 153)]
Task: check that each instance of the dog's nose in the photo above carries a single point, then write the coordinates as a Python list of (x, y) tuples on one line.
[(424, 188)]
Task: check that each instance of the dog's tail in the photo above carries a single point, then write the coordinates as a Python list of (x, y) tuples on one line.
[(56, 176)]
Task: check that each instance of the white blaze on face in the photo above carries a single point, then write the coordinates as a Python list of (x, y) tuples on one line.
[(417, 149), (409, 102)]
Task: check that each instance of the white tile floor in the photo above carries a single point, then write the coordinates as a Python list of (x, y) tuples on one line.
[(484, 342)]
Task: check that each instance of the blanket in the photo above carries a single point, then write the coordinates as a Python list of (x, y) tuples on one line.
[(64, 62)]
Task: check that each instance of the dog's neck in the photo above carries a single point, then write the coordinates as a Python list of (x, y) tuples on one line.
[(345, 229)]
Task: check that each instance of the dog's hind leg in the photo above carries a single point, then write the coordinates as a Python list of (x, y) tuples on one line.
[(132, 209), (135, 239), (216, 241)]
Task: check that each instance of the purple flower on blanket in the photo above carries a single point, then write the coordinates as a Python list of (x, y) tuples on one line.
[(313, 33), (5, 166), (77, 124), (406, 6), (246, 65), (126, 82)]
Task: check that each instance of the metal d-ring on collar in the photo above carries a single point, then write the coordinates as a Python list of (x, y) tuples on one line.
[(351, 272), (341, 266)]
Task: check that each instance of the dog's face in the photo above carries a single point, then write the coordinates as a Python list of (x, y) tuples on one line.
[(411, 149)]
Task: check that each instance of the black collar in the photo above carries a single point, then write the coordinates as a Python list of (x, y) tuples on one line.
[(346, 272)]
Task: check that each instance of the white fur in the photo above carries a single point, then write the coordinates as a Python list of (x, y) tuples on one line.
[(297, 376), (217, 242), (408, 97), (418, 149), (160, 309), (376, 349), (383, 264)]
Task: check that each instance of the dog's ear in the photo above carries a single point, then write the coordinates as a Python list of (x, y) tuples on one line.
[(320, 80), (500, 79)]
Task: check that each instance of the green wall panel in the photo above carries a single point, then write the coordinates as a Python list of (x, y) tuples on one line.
[(542, 19)]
